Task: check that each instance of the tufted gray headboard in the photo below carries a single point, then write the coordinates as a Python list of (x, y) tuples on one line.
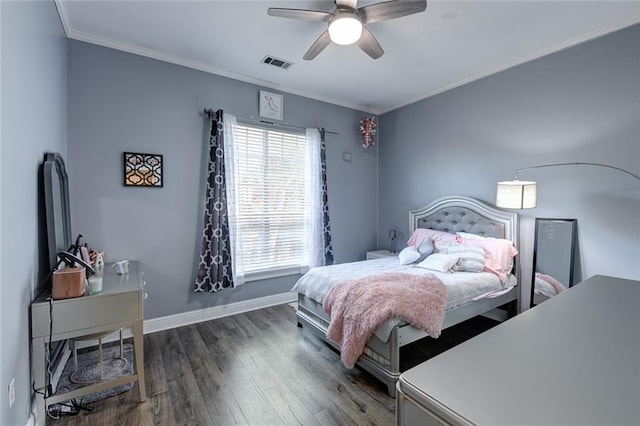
[(464, 214)]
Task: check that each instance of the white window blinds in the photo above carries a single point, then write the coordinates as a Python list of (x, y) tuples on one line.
[(271, 198)]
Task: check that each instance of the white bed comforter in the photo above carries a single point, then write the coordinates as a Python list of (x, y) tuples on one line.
[(462, 287)]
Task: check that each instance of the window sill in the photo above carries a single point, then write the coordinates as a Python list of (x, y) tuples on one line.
[(274, 273)]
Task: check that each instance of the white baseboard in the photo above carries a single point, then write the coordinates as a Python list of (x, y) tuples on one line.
[(154, 325), (192, 317)]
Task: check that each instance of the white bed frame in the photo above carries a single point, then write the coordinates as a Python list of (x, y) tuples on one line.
[(450, 214)]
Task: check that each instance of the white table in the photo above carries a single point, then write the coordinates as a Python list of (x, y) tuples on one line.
[(574, 359), (118, 305), (378, 254)]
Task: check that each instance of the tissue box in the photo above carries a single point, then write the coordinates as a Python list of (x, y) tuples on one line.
[(68, 283)]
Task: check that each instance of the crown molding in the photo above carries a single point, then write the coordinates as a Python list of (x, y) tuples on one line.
[(176, 60)]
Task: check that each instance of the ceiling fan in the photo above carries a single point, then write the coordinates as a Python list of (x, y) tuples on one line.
[(346, 24)]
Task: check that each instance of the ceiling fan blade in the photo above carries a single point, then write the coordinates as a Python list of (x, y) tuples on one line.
[(306, 15), (391, 10), (347, 3), (369, 44), (317, 46)]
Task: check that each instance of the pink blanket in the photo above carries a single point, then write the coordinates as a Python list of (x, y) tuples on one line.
[(358, 307), (557, 285)]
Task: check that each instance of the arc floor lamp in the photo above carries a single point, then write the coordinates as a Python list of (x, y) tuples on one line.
[(523, 194)]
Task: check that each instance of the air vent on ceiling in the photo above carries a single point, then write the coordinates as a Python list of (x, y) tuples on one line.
[(280, 63)]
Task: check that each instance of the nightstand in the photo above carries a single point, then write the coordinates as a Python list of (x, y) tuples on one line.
[(378, 254)]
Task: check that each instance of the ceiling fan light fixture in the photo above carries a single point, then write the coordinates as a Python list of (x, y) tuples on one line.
[(345, 30), (347, 23)]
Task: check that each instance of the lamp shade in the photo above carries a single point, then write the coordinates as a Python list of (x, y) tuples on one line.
[(516, 194), (345, 29)]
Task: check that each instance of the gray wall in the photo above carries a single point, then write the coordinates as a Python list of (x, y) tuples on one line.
[(578, 105), (123, 102), (34, 120)]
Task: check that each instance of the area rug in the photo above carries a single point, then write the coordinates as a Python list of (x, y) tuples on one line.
[(89, 371)]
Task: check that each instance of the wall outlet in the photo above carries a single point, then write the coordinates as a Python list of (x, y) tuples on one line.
[(12, 392)]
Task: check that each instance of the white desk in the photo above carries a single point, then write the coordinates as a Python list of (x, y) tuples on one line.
[(575, 359), (118, 305)]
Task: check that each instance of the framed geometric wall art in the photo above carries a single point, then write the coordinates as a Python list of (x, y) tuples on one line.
[(142, 169)]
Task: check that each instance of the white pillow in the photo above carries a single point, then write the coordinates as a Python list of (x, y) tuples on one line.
[(439, 262), (425, 249), (471, 258), (408, 255), (441, 246)]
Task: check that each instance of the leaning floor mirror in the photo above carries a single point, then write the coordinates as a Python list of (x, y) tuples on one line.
[(553, 258)]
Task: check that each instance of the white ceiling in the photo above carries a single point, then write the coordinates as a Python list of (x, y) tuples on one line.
[(451, 43)]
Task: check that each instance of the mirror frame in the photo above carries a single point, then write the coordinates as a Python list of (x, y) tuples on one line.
[(573, 223), (54, 168)]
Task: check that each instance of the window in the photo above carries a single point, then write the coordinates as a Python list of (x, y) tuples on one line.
[(272, 199)]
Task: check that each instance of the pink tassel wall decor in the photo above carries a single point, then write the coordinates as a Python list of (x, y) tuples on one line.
[(368, 131)]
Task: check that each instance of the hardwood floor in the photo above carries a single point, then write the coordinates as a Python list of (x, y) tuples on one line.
[(256, 368)]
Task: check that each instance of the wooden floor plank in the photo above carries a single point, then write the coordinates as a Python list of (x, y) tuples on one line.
[(153, 364), (255, 407), (188, 409), (177, 368), (289, 407), (210, 380), (308, 392), (332, 416)]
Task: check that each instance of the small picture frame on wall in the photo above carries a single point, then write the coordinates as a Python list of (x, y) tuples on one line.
[(271, 105), (142, 169)]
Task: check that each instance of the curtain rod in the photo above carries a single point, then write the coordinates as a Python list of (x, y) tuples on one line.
[(208, 112)]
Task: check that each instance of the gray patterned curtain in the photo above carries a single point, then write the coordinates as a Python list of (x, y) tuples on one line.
[(215, 267), (328, 248)]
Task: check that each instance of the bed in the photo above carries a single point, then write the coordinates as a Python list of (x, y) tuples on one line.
[(381, 356)]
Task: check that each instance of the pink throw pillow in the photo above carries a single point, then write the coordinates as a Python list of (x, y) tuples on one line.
[(420, 235), (500, 255)]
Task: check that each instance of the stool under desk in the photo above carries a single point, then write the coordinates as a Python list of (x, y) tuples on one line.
[(118, 305)]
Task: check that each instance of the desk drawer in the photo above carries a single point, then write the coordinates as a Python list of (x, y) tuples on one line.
[(86, 312)]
